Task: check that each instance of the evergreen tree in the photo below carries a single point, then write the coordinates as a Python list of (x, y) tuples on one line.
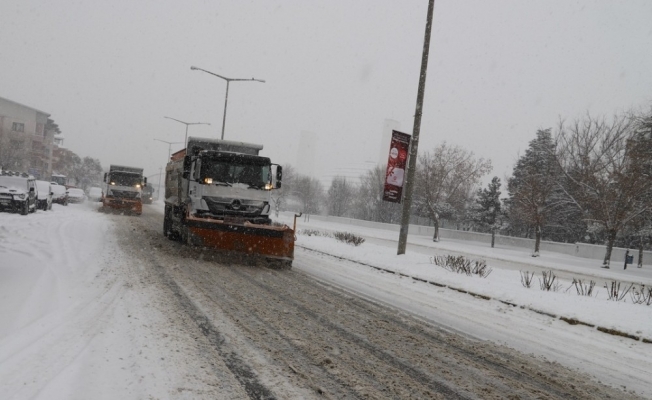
[(534, 191), (488, 210)]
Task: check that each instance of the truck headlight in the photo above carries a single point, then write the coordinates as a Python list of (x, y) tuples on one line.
[(208, 181), (138, 185), (269, 186)]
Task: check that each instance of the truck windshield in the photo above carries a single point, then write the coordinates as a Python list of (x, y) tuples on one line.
[(230, 173), (125, 179), (60, 179)]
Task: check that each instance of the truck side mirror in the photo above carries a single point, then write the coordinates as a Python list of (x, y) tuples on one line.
[(186, 174), (279, 176), (145, 183)]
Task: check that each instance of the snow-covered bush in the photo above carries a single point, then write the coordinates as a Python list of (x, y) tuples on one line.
[(349, 238), (463, 265)]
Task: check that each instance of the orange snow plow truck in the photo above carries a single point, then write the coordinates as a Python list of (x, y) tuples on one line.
[(218, 194), (122, 189)]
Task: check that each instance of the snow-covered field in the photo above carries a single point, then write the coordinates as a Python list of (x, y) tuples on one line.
[(73, 326)]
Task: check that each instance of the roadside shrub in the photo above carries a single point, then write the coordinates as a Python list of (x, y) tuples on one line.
[(314, 232), (348, 238), (583, 288), (462, 265), (642, 295), (526, 278), (614, 292), (549, 282)]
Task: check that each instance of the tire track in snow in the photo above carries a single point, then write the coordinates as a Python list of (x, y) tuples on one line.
[(242, 372)]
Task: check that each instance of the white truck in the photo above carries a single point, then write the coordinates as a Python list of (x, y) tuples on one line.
[(218, 194), (122, 189)]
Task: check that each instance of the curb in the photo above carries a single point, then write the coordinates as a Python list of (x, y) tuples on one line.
[(570, 321)]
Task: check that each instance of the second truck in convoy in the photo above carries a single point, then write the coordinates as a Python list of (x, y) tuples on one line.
[(122, 189), (217, 194)]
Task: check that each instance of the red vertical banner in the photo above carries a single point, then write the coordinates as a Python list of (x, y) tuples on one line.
[(396, 166)]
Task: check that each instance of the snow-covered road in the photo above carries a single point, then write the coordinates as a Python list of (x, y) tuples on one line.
[(101, 306)]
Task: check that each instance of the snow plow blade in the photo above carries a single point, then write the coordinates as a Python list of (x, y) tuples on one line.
[(272, 242), (130, 206)]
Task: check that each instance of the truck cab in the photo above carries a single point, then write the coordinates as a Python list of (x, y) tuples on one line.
[(223, 180), (122, 189)]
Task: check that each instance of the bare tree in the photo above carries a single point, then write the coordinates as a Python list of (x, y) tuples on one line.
[(445, 181), (340, 197), (607, 170), (13, 154), (279, 196), (368, 203), (310, 191)]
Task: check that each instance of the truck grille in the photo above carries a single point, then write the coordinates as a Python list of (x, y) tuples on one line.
[(232, 207), (123, 194)]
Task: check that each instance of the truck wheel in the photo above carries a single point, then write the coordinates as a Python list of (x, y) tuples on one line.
[(25, 209), (166, 225), (183, 236)]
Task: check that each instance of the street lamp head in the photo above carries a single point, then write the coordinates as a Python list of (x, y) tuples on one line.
[(192, 67)]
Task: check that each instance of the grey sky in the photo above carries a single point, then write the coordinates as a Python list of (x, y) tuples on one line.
[(499, 70)]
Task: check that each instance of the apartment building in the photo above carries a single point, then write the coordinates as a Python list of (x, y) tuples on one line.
[(26, 139)]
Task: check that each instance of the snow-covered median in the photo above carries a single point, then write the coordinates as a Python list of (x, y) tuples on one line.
[(501, 284)]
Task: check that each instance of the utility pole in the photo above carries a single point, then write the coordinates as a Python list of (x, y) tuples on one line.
[(414, 144)]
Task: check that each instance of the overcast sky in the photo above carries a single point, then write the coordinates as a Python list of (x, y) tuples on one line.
[(108, 72)]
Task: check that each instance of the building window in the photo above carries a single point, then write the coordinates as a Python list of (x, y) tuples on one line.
[(18, 127)]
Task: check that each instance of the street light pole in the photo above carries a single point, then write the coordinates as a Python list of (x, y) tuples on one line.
[(185, 142), (169, 146), (416, 128), (226, 98)]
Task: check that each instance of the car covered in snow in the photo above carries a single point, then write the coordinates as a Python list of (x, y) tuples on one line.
[(17, 193), (76, 195), (59, 194), (43, 195), (95, 194)]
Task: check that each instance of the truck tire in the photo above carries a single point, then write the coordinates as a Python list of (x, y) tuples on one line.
[(166, 224)]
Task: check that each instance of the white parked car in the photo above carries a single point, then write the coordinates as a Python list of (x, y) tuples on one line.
[(76, 195), (59, 194), (95, 194), (44, 195)]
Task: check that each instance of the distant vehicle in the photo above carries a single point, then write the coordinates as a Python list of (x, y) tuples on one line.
[(147, 195), (60, 179), (44, 195), (95, 194), (59, 194), (123, 188), (76, 195), (17, 192)]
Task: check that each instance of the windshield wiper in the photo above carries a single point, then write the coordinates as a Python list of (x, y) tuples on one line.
[(221, 183)]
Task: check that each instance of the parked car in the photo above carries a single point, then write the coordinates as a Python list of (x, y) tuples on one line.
[(17, 192), (76, 195), (43, 195), (59, 194), (95, 194)]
